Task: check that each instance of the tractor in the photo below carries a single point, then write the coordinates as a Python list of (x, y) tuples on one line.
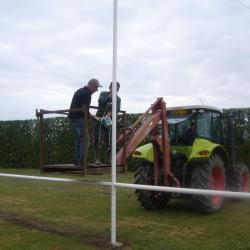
[(189, 147)]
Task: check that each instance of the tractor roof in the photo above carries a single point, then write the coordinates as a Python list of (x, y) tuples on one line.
[(195, 107)]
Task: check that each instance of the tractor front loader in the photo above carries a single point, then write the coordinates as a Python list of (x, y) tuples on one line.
[(187, 149)]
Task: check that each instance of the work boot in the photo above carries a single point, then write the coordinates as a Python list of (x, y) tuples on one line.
[(97, 156)]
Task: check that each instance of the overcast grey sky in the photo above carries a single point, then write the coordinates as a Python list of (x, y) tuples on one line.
[(189, 52)]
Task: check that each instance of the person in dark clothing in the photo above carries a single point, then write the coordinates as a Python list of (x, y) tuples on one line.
[(81, 97), (102, 124), (189, 135)]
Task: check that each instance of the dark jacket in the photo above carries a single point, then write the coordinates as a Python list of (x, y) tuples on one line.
[(189, 137), (105, 104), (81, 96)]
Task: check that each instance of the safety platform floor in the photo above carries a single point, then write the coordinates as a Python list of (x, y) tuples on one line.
[(91, 168)]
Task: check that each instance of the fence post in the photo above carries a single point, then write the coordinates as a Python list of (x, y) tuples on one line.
[(41, 139)]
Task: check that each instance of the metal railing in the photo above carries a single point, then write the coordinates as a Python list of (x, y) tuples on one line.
[(40, 113)]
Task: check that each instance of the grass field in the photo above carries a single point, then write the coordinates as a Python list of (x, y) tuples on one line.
[(46, 215)]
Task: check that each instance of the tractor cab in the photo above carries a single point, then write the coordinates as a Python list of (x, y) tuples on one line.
[(188, 123), (194, 132)]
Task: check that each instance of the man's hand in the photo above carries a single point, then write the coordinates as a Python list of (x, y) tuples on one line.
[(97, 118), (109, 114)]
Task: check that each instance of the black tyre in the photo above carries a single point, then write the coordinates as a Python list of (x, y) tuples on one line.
[(209, 175), (241, 178), (149, 199)]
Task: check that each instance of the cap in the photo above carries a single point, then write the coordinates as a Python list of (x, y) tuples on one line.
[(95, 82)]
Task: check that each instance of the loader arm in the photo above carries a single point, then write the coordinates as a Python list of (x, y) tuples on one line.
[(145, 125), (137, 138)]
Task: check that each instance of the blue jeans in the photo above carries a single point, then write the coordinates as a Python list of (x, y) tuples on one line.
[(77, 125)]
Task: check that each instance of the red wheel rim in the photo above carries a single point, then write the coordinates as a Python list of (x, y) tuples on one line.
[(244, 181), (216, 183)]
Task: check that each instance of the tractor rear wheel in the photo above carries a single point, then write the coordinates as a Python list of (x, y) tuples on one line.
[(241, 178), (149, 199), (209, 175)]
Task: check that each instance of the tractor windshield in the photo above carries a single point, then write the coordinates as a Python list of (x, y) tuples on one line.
[(186, 124), (181, 129)]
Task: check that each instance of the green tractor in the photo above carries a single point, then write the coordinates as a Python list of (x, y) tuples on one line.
[(201, 156)]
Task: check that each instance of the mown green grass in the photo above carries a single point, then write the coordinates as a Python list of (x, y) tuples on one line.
[(46, 215)]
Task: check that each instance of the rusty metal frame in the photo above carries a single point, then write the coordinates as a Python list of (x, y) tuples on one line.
[(147, 124), (42, 112)]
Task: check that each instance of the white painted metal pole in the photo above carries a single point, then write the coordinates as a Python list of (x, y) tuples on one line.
[(52, 179), (176, 190), (242, 195), (114, 91)]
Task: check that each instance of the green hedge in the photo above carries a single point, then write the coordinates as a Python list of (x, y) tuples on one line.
[(241, 127), (58, 141), (19, 143), (20, 140)]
